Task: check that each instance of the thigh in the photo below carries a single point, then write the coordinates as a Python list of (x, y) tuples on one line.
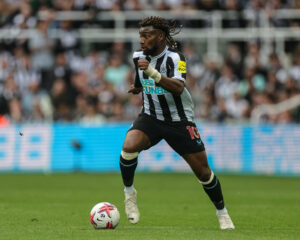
[(136, 141), (143, 134), (184, 138)]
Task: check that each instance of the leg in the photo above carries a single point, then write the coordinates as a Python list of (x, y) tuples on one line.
[(135, 142), (185, 139), (211, 185), (144, 133)]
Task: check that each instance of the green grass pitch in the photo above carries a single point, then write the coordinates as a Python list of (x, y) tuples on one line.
[(172, 206)]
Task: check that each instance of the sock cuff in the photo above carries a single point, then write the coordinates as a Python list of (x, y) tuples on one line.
[(129, 189), (212, 175), (128, 163), (129, 156), (222, 211)]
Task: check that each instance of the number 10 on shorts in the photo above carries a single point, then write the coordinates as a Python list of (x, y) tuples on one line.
[(194, 133)]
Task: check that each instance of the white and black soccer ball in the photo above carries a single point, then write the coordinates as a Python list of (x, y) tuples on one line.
[(104, 215)]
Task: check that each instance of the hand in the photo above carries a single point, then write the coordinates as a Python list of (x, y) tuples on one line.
[(134, 90), (143, 64)]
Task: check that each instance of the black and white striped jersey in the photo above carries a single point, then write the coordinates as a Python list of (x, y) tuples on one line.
[(158, 102)]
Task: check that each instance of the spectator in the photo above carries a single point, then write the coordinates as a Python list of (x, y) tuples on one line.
[(295, 69), (233, 58), (274, 20), (90, 115), (15, 111), (276, 66), (36, 104), (41, 46), (24, 19), (68, 39), (8, 92), (236, 20), (237, 107), (116, 73), (251, 84), (25, 75), (227, 84), (133, 108)]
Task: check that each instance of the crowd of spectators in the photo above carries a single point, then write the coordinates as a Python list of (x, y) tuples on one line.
[(53, 79), (22, 13)]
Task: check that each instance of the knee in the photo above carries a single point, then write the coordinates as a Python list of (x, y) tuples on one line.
[(132, 143), (129, 150), (129, 147), (203, 172), (206, 176)]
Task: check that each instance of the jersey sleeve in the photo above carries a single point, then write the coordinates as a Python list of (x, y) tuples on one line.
[(177, 66)]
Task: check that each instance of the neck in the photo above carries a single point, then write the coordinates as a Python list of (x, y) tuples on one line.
[(159, 50)]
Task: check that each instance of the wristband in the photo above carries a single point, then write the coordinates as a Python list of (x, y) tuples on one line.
[(153, 73)]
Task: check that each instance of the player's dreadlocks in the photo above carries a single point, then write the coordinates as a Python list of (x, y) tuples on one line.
[(162, 24)]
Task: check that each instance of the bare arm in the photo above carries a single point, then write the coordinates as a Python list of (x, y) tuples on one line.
[(172, 85)]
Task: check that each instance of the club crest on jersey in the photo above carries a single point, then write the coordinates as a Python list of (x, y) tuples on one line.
[(182, 66), (163, 69)]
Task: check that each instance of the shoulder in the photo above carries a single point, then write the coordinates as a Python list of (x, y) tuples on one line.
[(175, 54), (138, 54)]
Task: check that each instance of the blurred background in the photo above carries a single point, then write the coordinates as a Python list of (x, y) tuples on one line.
[(65, 67)]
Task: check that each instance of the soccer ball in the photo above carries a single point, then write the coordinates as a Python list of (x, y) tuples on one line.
[(104, 215)]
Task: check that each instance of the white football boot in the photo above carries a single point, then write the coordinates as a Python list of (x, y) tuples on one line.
[(225, 221), (131, 208)]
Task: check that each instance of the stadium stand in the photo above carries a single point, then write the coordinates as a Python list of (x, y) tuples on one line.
[(71, 60)]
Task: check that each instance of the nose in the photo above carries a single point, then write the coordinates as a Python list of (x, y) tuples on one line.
[(142, 40)]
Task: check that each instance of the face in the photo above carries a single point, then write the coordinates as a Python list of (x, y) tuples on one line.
[(151, 40)]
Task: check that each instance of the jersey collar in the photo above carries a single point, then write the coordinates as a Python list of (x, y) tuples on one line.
[(161, 54)]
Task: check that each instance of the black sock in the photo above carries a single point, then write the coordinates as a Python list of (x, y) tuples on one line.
[(127, 170), (214, 192)]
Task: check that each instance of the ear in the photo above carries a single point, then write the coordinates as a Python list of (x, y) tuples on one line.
[(161, 36)]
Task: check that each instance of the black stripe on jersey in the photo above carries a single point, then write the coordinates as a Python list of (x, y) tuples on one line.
[(170, 67), (162, 99), (145, 76), (137, 81), (150, 100), (165, 108), (158, 65), (177, 99), (179, 106), (143, 109), (151, 105)]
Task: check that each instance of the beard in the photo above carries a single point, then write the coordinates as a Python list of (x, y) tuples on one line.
[(150, 51)]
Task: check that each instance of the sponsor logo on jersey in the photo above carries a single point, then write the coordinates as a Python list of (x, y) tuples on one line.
[(154, 90), (182, 66), (150, 88)]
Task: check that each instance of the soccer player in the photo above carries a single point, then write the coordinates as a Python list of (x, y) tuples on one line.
[(167, 113)]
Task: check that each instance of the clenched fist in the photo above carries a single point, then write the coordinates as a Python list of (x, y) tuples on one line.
[(143, 64)]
